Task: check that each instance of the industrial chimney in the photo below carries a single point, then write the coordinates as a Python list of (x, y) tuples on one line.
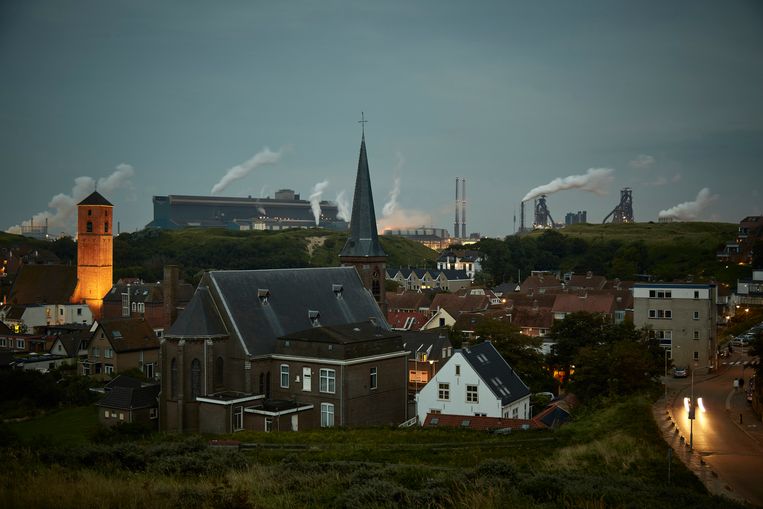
[(463, 208), (455, 225)]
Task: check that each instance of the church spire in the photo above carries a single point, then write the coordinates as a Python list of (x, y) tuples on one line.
[(364, 239)]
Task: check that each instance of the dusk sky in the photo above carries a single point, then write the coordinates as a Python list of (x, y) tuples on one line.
[(156, 98)]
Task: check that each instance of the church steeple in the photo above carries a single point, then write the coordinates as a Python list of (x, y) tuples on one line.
[(364, 239), (362, 249)]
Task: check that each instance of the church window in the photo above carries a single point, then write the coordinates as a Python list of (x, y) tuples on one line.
[(174, 378), (195, 378), (219, 371), (89, 227)]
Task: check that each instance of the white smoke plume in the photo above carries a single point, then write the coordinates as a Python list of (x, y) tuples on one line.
[(65, 205), (595, 180), (263, 157), (391, 205), (315, 199), (343, 206), (690, 210), (262, 211)]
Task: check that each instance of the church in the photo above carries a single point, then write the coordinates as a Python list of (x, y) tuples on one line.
[(289, 349)]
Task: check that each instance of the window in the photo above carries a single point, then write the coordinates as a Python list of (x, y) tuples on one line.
[(696, 356), (89, 227), (652, 294), (108, 353), (696, 315), (174, 378), (443, 392), (696, 294), (106, 227), (106, 414), (238, 418), (121, 416), (96, 352), (134, 306), (195, 378), (125, 305), (458, 370), (141, 307), (153, 413), (328, 381), (373, 378), (19, 343), (327, 415), (696, 334), (89, 212), (79, 311), (284, 376), (471, 394), (515, 413), (108, 369), (268, 424), (61, 312)]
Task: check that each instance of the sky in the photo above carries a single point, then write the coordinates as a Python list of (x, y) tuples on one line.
[(155, 98)]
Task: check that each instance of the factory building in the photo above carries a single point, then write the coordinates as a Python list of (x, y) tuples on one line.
[(579, 217), (285, 210)]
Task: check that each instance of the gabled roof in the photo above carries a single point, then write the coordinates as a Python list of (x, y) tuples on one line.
[(541, 318), (258, 306), (587, 302), (200, 319), (129, 334), (463, 301), (409, 300), (493, 369), (95, 198), (131, 398), (72, 341), (363, 239), (406, 320), (452, 274), (14, 312), (44, 284), (4, 329), (588, 280), (430, 342)]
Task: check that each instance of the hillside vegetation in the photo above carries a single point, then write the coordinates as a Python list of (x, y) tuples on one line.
[(665, 251)]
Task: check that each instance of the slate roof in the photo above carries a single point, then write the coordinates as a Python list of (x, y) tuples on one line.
[(431, 342), (363, 239), (258, 306), (343, 334), (95, 198), (44, 284), (123, 381), (500, 378), (452, 274), (14, 312), (130, 398), (347, 341), (71, 342), (413, 319), (129, 334), (148, 292), (409, 300), (200, 319)]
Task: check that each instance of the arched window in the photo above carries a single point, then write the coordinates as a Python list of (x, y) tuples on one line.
[(174, 378), (195, 378), (219, 363), (89, 227)]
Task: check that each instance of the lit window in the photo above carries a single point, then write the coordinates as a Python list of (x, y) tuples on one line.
[(443, 392), (328, 381)]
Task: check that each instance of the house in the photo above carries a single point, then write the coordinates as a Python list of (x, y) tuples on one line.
[(128, 400), (32, 317), (158, 303), (427, 352), (421, 279), (682, 316), (750, 291), (71, 345), (467, 260), (475, 381), (452, 280), (119, 345)]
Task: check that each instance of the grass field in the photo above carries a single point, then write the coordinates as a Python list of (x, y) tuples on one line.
[(690, 233), (71, 426)]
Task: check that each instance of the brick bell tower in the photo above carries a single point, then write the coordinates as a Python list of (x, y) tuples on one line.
[(95, 251), (362, 249)]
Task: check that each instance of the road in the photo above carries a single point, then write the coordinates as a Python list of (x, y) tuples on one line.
[(731, 448)]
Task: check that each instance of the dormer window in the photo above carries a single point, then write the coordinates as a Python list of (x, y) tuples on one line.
[(263, 294), (314, 316), (338, 290)]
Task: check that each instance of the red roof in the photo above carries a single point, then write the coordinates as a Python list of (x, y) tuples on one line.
[(408, 300), (407, 320), (590, 303)]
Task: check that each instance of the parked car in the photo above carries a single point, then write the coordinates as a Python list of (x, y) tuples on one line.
[(680, 372), (740, 341)]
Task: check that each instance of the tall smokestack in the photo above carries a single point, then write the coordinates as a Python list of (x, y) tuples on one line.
[(455, 225), (463, 208)]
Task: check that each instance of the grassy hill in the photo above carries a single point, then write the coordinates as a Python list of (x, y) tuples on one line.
[(690, 234), (144, 253)]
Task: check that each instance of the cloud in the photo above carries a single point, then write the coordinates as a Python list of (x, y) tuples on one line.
[(65, 205), (263, 157), (595, 180), (690, 210), (642, 161)]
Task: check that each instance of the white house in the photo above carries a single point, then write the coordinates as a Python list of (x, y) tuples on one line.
[(39, 315), (475, 381)]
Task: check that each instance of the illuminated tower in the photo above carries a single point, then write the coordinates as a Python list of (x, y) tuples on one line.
[(362, 249), (95, 248)]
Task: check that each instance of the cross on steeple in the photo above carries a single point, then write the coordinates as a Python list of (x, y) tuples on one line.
[(362, 122)]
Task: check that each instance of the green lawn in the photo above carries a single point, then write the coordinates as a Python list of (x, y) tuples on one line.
[(70, 426)]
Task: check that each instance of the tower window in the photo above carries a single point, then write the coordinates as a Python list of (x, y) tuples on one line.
[(89, 227), (89, 212), (106, 227)]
